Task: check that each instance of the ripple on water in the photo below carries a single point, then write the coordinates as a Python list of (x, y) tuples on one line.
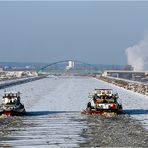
[(57, 129)]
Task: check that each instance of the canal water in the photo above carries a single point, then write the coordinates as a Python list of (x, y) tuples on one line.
[(54, 117)]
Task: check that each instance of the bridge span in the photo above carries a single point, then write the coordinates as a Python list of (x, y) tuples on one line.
[(69, 67)]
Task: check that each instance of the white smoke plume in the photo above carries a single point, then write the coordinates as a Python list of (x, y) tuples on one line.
[(137, 56)]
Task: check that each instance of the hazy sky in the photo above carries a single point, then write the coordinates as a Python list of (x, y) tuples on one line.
[(93, 32)]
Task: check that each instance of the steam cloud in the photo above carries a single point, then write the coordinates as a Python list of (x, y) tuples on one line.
[(137, 56)]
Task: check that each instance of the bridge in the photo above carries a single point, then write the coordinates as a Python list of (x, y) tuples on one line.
[(69, 67)]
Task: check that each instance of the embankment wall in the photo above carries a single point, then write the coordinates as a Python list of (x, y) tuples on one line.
[(5, 84), (141, 88)]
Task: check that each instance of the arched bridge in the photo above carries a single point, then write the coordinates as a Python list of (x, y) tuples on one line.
[(69, 67)]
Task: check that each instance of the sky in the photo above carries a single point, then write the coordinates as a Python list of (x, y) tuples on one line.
[(94, 32)]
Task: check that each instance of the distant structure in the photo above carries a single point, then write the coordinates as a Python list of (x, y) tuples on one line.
[(125, 74), (5, 75), (128, 68), (71, 65), (1, 69)]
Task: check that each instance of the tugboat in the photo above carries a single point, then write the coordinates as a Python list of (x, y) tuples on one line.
[(11, 105), (102, 102)]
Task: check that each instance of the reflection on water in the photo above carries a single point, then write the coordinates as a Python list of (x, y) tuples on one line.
[(71, 129), (47, 129)]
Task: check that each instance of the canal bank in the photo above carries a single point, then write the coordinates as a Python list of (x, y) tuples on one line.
[(9, 83), (134, 86)]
